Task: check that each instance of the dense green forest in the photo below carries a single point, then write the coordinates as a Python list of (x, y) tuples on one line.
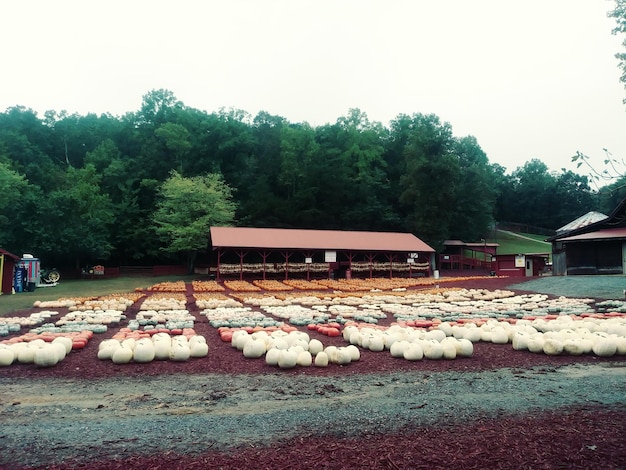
[(92, 189)]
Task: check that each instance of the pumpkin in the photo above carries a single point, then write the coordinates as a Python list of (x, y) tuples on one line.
[(355, 354), (413, 352), (254, 347), (343, 356), (448, 346), (46, 356), (464, 348), (397, 349), (552, 346), (433, 349), (287, 358), (304, 359), (66, 341), (315, 346), (122, 355), (604, 347), (7, 356), (271, 357), (321, 359), (179, 350), (144, 350)]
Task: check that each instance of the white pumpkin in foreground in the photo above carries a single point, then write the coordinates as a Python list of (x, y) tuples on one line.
[(321, 359), (287, 358), (7, 356)]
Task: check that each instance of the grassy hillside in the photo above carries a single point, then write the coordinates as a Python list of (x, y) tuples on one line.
[(514, 243)]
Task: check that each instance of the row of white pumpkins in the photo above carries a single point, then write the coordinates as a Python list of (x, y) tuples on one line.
[(290, 349), (9, 325), (92, 316), (163, 303), (238, 316), (520, 304), (564, 335), (459, 295), (160, 347), (38, 352), (214, 303)]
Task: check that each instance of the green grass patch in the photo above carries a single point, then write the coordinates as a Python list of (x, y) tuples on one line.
[(81, 288), (514, 243)]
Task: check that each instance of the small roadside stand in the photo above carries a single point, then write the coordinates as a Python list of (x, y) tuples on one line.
[(8, 261)]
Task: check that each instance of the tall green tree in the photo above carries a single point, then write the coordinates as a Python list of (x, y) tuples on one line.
[(75, 219), (429, 187), (476, 192), (186, 210)]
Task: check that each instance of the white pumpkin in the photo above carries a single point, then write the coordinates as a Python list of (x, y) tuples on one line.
[(239, 339), (27, 355), (343, 357), (499, 335), (520, 341), (271, 357), (107, 347), (464, 348), (355, 353), (432, 349), (253, 348), (7, 356), (573, 346), (46, 356), (604, 347), (321, 359), (472, 333), (535, 343), (304, 359), (553, 346), (413, 352), (376, 343), (331, 352), (198, 349), (144, 350), (315, 346), (60, 350), (287, 358), (122, 355), (620, 343), (449, 349), (162, 347), (66, 341), (179, 351), (397, 349)]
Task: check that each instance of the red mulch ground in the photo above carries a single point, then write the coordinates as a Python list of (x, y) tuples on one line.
[(584, 438)]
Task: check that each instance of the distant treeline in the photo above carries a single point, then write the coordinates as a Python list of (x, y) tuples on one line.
[(82, 189)]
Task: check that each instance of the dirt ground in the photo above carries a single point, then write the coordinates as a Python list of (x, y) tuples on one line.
[(497, 409)]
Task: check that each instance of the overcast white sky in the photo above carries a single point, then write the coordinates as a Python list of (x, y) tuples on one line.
[(529, 79)]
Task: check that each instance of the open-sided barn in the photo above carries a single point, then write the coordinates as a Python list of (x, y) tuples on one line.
[(592, 244), (332, 253)]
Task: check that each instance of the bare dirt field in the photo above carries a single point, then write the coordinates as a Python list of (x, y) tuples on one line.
[(499, 408)]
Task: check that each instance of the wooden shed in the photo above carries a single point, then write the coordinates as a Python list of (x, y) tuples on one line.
[(7, 266), (521, 265)]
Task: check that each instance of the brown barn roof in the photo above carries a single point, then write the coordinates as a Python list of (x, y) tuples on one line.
[(297, 239), (603, 234)]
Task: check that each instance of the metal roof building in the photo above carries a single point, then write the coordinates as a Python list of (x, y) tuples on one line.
[(591, 244), (338, 250)]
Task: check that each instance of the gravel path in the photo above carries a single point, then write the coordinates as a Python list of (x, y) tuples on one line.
[(597, 287), (68, 418)]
